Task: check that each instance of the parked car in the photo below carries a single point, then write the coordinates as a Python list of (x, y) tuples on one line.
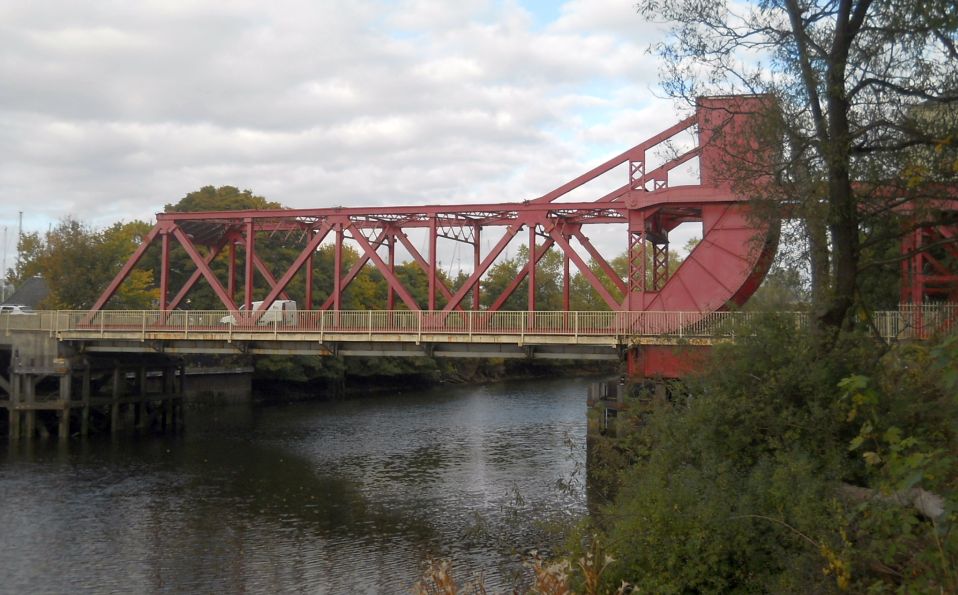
[(17, 310), (281, 311)]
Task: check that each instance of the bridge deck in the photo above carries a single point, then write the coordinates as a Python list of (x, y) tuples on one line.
[(464, 334)]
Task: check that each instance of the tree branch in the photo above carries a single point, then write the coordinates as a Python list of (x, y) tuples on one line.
[(808, 74)]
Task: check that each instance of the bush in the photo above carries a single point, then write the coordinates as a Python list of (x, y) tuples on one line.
[(739, 480)]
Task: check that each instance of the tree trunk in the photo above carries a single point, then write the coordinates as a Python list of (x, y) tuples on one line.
[(818, 257), (843, 209)]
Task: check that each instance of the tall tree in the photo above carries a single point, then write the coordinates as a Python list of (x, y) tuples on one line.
[(224, 198), (273, 249), (867, 90), (77, 261)]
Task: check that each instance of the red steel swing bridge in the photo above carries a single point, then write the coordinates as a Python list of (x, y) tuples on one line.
[(655, 306)]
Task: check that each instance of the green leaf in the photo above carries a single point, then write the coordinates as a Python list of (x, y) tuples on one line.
[(911, 480), (892, 435), (856, 442), (854, 383)]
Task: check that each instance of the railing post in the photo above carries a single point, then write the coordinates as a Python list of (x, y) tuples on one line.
[(186, 325), (522, 327), (276, 327), (469, 315), (419, 328), (322, 325), (102, 319), (369, 324), (680, 324), (143, 329), (575, 325)]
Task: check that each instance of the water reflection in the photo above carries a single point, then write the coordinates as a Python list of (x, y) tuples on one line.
[(320, 497)]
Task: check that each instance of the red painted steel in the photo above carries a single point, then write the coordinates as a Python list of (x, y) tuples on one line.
[(928, 269), (726, 266), (666, 361)]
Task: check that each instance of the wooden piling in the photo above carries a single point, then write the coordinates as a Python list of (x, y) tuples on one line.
[(66, 381), (115, 404), (29, 401), (85, 400), (15, 398), (138, 418)]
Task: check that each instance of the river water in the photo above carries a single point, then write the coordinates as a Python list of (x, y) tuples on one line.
[(320, 497)]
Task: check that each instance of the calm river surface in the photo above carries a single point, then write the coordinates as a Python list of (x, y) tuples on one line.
[(339, 497)]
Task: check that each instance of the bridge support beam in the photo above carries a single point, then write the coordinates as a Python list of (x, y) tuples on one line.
[(665, 361)]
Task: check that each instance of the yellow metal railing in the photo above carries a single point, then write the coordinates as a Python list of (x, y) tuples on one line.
[(909, 322)]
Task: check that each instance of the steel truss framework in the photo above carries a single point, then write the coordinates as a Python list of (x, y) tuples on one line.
[(929, 267), (725, 267)]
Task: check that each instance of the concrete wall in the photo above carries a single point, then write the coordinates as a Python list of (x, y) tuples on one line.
[(218, 385)]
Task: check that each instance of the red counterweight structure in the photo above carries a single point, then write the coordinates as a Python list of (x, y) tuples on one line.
[(722, 270)]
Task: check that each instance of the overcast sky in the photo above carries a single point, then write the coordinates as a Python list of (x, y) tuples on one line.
[(109, 110)]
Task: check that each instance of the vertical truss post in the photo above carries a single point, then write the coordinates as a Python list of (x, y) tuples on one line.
[(433, 262), (532, 267), (565, 283), (475, 265), (231, 280), (164, 269), (918, 268), (660, 265), (338, 269), (909, 245), (637, 171), (309, 272), (657, 237), (390, 292), (637, 269), (250, 247)]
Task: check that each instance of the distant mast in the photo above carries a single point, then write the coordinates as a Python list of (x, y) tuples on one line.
[(3, 271), (19, 239)]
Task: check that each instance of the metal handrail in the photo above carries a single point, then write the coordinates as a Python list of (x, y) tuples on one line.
[(905, 323)]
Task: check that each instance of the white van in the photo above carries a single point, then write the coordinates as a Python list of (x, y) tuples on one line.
[(281, 311), (17, 309)]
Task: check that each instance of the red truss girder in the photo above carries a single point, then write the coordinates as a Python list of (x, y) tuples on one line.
[(726, 266), (929, 267)]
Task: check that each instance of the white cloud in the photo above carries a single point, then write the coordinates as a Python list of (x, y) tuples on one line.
[(109, 111)]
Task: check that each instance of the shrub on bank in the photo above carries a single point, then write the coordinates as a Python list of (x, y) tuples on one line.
[(777, 470)]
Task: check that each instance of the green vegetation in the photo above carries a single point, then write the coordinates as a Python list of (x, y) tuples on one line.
[(76, 260), (819, 460), (777, 471)]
